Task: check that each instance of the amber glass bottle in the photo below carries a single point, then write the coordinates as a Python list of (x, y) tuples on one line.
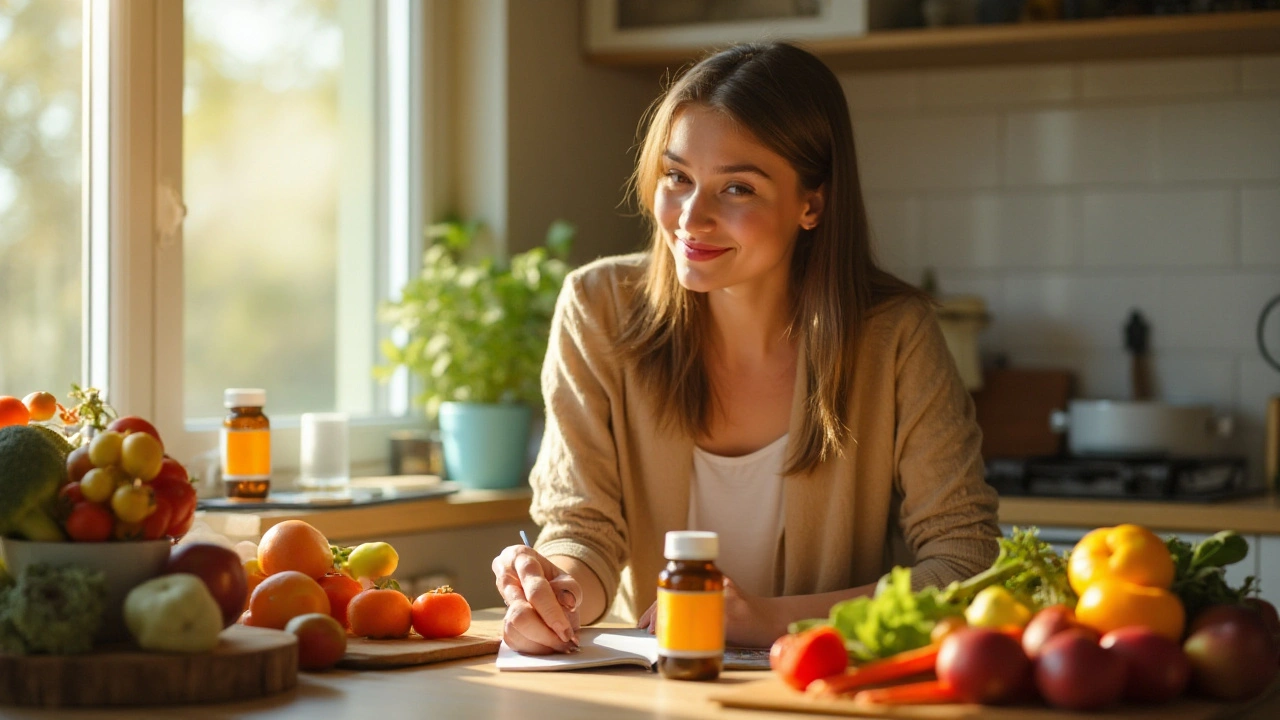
[(246, 444), (691, 608)]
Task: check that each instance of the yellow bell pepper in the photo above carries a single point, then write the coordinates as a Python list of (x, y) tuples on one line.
[(995, 607), (1111, 604), (1125, 552)]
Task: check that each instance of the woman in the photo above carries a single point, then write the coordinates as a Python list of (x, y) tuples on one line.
[(754, 373)]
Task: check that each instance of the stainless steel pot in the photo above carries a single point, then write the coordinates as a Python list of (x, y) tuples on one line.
[(1118, 427)]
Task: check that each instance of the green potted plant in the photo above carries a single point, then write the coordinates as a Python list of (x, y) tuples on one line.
[(476, 332)]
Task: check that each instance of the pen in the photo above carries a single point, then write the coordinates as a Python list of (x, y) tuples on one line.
[(573, 638)]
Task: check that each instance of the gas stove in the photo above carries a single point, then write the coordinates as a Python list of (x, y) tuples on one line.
[(1199, 479)]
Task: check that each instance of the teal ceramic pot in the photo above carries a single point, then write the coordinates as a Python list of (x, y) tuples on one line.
[(485, 445)]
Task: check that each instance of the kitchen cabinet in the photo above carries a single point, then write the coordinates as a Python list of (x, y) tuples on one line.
[(1234, 33)]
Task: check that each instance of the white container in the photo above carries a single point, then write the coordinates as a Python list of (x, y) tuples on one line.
[(325, 461), (1119, 427)]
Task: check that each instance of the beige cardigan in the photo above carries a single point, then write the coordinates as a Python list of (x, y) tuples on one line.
[(609, 482)]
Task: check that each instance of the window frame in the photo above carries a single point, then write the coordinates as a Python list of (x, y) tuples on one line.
[(133, 240)]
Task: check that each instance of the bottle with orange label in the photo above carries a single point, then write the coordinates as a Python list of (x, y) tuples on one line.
[(691, 608), (246, 444)]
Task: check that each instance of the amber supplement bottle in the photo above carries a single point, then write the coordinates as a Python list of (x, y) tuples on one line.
[(246, 444), (691, 608)]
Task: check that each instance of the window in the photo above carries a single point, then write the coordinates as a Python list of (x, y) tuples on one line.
[(40, 187), (265, 133), (290, 135)]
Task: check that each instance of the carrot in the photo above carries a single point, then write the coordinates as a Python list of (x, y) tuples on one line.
[(876, 672), (917, 693)]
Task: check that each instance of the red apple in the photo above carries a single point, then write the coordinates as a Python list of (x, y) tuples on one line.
[(133, 423), (1075, 673), (1047, 623), (1231, 652), (221, 571), (983, 665), (1158, 670), (1270, 618)]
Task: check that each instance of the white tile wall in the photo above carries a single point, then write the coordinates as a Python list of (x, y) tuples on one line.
[(928, 152), (1260, 225), (1261, 73), (1160, 78), (1086, 145), (1068, 195)]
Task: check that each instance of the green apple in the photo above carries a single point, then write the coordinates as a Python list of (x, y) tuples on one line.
[(173, 613)]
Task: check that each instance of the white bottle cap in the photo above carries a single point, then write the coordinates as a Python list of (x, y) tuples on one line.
[(244, 397), (692, 545)]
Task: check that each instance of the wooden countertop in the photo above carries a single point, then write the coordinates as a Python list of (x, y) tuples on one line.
[(1254, 515), (473, 688)]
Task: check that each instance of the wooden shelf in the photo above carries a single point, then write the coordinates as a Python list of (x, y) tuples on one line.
[(1234, 33)]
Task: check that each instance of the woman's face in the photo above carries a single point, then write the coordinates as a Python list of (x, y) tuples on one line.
[(729, 208)]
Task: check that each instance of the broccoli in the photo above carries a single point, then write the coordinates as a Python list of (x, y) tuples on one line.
[(32, 469), (53, 610)]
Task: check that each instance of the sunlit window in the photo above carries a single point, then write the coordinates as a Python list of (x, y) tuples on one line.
[(40, 195), (263, 135)]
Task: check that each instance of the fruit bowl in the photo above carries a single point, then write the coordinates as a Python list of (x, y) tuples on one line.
[(125, 565)]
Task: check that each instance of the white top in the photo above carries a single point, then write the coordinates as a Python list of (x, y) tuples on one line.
[(741, 499)]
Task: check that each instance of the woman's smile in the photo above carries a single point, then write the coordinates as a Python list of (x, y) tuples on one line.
[(695, 251)]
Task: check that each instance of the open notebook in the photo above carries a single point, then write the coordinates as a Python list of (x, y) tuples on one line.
[(604, 647)]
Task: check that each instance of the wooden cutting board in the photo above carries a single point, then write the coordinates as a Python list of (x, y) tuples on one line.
[(483, 638), (772, 694), (365, 654), (249, 662)]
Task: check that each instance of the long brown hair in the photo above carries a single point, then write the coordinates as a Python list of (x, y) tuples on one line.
[(794, 105)]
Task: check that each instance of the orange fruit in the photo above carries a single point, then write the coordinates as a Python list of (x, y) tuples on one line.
[(380, 614), (41, 405), (13, 411), (253, 575), (441, 613), (340, 588), (295, 545), (281, 597)]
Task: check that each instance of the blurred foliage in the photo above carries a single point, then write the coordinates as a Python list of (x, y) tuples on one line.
[(40, 255), (477, 328)]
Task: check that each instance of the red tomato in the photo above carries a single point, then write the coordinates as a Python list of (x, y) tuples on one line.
[(340, 588), (172, 483), (90, 522), (155, 524), (133, 423), (68, 496), (801, 658), (441, 613)]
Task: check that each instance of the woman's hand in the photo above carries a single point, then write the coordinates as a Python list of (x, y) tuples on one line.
[(542, 602), (750, 621)]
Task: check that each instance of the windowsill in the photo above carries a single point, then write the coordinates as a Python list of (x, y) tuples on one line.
[(466, 508)]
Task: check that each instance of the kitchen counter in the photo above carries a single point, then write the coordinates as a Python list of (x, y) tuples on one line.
[(473, 688), (1254, 515)]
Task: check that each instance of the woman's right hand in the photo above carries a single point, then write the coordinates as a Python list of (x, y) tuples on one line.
[(542, 602)]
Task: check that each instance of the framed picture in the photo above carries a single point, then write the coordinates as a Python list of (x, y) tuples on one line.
[(640, 25)]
